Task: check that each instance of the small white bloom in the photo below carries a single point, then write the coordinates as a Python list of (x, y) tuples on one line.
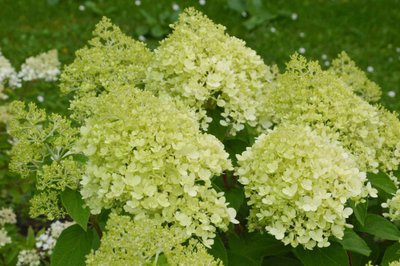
[(142, 38), (244, 14), (398, 49), (302, 34), (175, 7), (202, 2), (138, 2), (302, 50), (391, 94), (273, 29), (40, 98), (327, 63), (294, 16), (324, 57), (81, 8), (370, 69)]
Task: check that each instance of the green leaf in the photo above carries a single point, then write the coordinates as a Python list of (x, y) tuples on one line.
[(250, 248), (334, 255), (392, 253), (72, 246), (73, 203), (360, 211), (235, 197), (351, 241), (234, 147), (383, 182), (218, 250), (380, 227), (281, 261), (30, 238), (215, 128)]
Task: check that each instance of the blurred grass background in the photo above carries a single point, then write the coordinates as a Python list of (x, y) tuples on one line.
[(367, 30)]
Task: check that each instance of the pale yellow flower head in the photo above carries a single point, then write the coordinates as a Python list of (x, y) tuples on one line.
[(144, 242), (305, 94), (298, 182), (354, 78), (204, 67), (148, 156), (110, 58)]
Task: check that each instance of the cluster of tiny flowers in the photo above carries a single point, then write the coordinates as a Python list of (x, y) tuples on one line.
[(145, 243), (42, 147), (149, 156), (305, 94), (394, 263), (298, 183), (45, 242), (28, 257), (8, 75), (205, 68), (355, 78), (4, 237), (393, 206), (7, 216), (112, 58), (44, 66)]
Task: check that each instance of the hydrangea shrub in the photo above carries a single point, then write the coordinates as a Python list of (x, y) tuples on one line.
[(199, 153)]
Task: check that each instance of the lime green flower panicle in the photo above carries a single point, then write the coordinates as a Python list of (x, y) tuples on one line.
[(143, 242), (43, 148), (355, 78), (148, 156), (298, 183), (111, 58), (204, 67), (307, 95)]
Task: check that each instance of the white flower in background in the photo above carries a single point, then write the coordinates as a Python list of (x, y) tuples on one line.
[(4, 238), (327, 63), (3, 96), (294, 16), (142, 38), (370, 69), (398, 49), (175, 7), (46, 241), (138, 2), (302, 50), (273, 29), (302, 34), (40, 98), (43, 66), (28, 258), (244, 14), (202, 2), (7, 216), (81, 8), (391, 94), (8, 73), (324, 57)]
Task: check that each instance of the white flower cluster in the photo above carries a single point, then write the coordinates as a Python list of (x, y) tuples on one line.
[(7, 216), (149, 156), (46, 241), (8, 74), (43, 66), (202, 66), (298, 183), (28, 257)]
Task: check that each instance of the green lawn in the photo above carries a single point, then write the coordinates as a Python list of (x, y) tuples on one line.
[(366, 30)]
